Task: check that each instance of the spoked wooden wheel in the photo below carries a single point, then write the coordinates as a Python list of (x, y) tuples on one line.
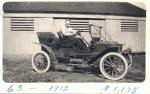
[(113, 66), (41, 62)]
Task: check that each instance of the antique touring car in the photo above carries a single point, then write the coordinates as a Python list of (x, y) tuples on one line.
[(113, 62)]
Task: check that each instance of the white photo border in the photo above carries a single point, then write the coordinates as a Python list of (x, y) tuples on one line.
[(86, 88)]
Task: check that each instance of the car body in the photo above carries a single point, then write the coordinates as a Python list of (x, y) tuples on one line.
[(112, 61)]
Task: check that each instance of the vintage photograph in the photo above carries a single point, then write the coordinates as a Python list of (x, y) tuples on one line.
[(74, 42)]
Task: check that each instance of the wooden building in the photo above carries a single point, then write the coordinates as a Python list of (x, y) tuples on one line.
[(120, 21)]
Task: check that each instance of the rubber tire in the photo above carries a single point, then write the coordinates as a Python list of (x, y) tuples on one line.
[(125, 63), (48, 61)]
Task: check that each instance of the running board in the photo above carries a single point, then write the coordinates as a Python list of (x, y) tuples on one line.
[(79, 65)]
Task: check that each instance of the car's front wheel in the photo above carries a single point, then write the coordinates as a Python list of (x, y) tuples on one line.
[(41, 62), (113, 66)]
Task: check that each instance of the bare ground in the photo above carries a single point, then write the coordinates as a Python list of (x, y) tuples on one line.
[(18, 70)]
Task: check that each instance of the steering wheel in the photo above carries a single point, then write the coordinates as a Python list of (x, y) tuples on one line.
[(78, 32)]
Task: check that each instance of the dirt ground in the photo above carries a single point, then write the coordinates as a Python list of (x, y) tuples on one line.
[(20, 70)]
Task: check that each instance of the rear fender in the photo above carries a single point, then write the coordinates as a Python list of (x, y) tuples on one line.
[(49, 51)]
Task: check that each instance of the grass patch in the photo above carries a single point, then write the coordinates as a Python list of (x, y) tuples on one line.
[(17, 70)]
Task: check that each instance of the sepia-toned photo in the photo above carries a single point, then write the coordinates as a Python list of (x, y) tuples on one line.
[(73, 42)]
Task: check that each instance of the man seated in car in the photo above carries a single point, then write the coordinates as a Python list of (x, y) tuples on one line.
[(73, 36)]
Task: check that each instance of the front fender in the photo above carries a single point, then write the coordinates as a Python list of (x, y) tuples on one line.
[(128, 55), (96, 58), (49, 51)]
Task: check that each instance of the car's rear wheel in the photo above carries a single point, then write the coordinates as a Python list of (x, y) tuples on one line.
[(41, 62), (113, 66)]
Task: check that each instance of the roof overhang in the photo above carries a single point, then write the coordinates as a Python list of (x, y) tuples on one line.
[(102, 8)]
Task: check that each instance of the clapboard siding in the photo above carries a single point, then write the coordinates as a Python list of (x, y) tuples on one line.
[(22, 42), (142, 39), (18, 42)]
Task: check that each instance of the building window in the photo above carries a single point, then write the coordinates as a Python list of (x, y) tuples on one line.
[(82, 25), (22, 24), (129, 26)]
